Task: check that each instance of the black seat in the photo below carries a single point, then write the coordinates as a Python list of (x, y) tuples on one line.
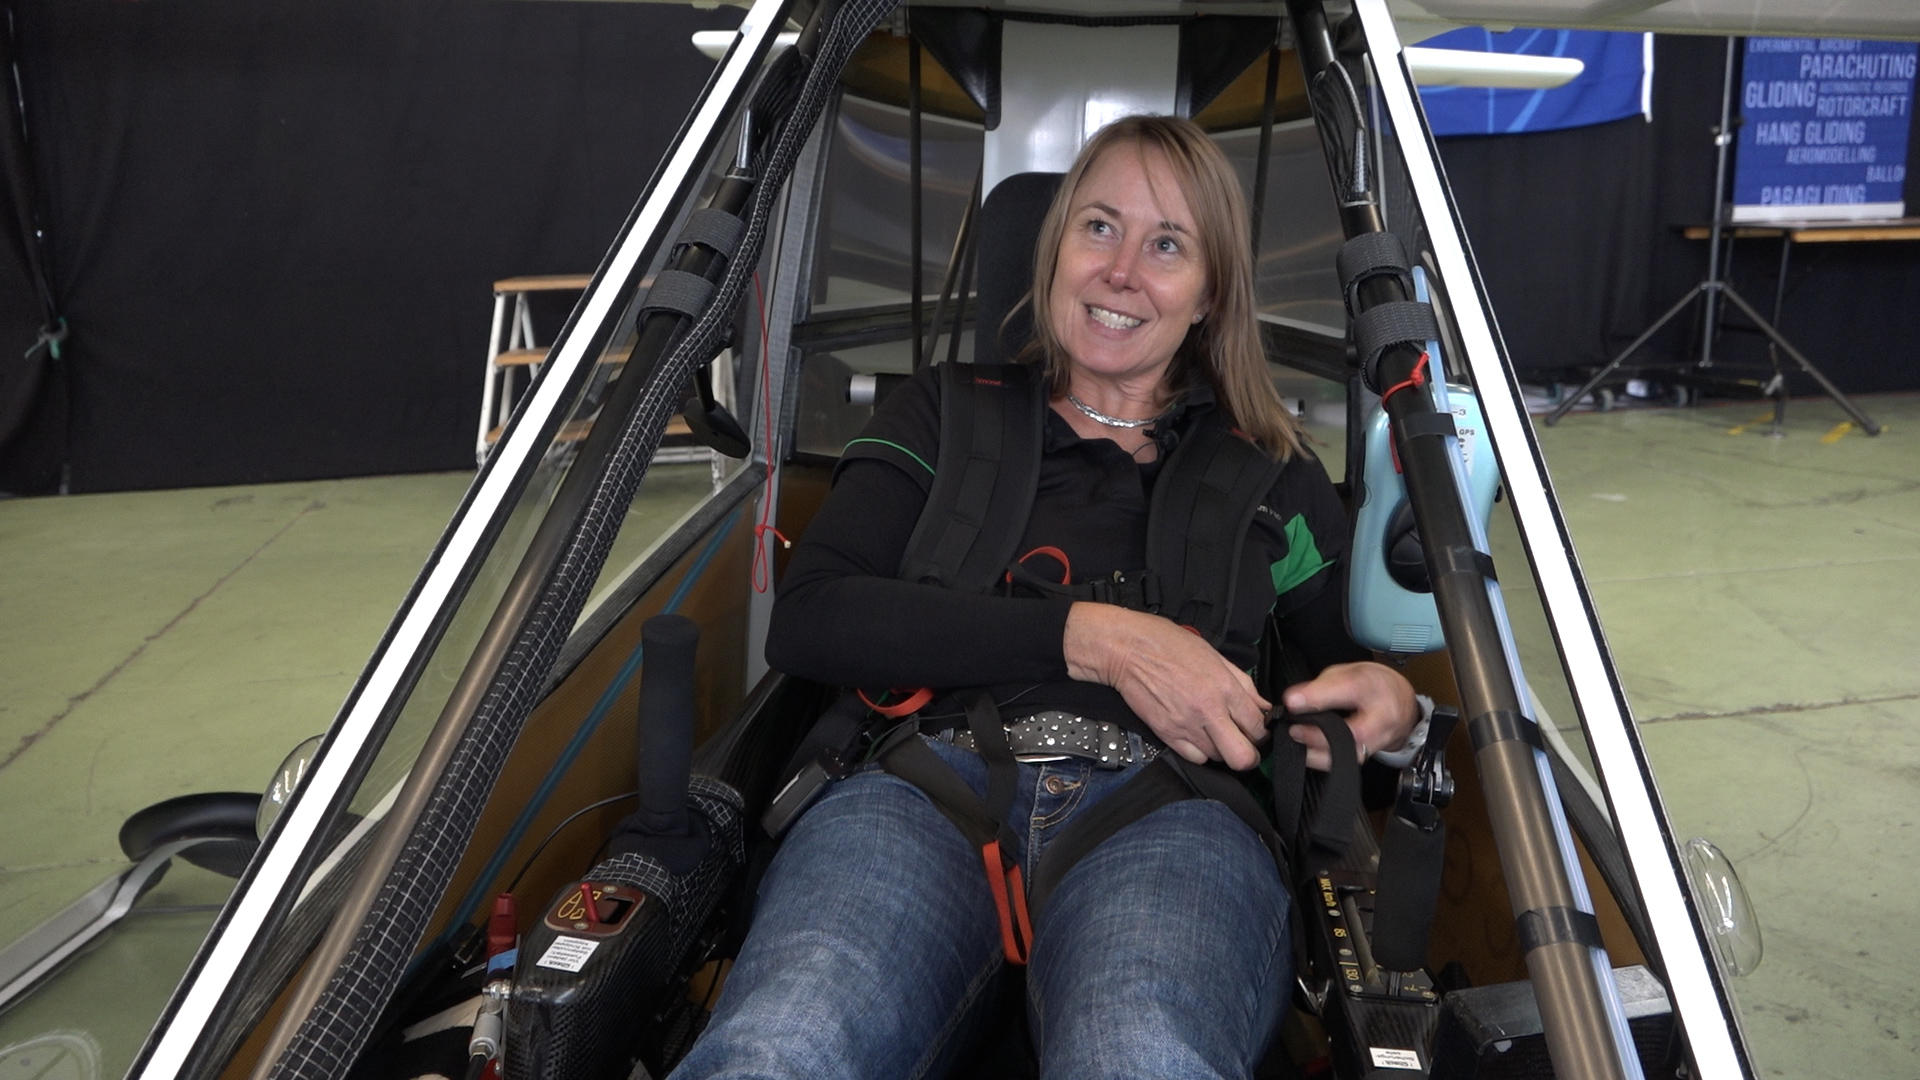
[(1009, 221)]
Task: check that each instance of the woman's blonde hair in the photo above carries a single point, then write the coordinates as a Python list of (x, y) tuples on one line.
[(1223, 350)]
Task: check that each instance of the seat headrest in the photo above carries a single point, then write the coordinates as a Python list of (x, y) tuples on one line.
[(1009, 223)]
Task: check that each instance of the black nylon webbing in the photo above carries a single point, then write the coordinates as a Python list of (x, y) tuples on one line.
[(680, 292), (1146, 791), (990, 741), (1461, 559), (713, 228), (1197, 529), (1330, 829), (1500, 725), (911, 760), (1167, 780), (1217, 782), (1369, 255), (984, 478), (1427, 425), (1484, 563), (1557, 926), (1382, 326)]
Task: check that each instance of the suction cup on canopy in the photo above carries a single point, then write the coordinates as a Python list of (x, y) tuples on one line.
[(280, 789), (1724, 907)]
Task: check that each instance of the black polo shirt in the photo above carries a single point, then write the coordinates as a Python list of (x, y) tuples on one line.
[(844, 617)]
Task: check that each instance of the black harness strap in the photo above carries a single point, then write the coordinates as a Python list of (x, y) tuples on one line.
[(991, 427), (984, 480), (1167, 780), (1196, 531), (981, 821), (1149, 789), (1329, 830)]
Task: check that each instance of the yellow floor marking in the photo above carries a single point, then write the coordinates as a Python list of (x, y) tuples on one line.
[(1741, 429), (1839, 432)]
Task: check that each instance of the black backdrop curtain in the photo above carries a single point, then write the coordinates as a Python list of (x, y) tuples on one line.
[(32, 391), (273, 225), (1577, 234)]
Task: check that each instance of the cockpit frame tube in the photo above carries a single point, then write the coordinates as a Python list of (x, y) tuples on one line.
[(1679, 946), (1585, 1032)]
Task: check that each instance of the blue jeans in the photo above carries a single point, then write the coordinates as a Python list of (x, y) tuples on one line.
[(1164, 953)]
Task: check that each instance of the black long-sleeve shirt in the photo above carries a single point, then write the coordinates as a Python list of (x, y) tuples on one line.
[(843, 616)]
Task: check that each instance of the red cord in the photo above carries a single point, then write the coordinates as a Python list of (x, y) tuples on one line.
[(1066, 568), (1418, 378), (760, 531), (913, 703)]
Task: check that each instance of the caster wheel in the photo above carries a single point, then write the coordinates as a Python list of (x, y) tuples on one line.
[(1603, 400)]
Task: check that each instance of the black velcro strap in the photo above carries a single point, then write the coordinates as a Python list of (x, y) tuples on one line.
[(1484, 563), (678, 291), (1426, 425), (1499, 725), (714, 229), (1455, 559), (1198, 523), (1382, 326), (1557, 926), (984, 478), (1370, 255)]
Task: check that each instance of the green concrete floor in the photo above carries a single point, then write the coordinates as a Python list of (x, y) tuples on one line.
[(155, 644), (1759, 595)]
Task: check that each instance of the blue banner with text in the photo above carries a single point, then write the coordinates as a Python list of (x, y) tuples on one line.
[(1824, 131)]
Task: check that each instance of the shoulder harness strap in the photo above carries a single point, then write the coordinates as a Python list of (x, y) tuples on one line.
[(1198, 522), (985, 478)]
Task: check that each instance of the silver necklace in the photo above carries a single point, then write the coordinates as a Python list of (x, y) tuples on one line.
[(1099, 417)]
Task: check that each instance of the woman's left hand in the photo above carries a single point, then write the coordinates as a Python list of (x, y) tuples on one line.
[(1380, 700)]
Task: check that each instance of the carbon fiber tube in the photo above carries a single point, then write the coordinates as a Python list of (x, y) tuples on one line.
[(1565, 974)]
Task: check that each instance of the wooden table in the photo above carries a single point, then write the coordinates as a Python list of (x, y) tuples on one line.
[(1816, 232), (1807, 231)]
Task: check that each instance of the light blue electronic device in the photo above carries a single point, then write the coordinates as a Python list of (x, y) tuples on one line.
[(1389, 606)]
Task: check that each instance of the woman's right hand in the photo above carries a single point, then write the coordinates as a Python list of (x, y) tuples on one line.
[(1193, 698)]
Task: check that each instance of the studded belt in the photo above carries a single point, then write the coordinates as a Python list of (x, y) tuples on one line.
[(1055, 735)]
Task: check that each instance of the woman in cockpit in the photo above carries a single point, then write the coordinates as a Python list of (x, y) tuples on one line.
[(1163, 951)]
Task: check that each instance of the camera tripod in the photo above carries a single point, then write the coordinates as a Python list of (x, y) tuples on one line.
[(1715, 288)]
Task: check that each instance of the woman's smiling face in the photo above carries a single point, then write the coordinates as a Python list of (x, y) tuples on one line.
[(1131, 278)]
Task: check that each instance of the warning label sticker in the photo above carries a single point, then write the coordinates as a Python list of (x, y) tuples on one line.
[(570, 954), (1389, 1058)]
